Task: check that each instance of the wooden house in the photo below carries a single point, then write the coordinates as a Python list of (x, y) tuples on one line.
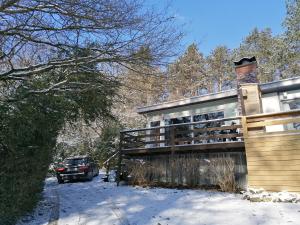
[(256, 125)]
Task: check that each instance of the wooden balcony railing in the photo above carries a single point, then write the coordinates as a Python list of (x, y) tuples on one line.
[(194, 133), (272, 123)]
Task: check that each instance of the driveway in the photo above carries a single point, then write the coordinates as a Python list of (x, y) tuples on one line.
[(100, 203)]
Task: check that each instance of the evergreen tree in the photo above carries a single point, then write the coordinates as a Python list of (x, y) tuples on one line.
[(32, 116), (291, 41), (292, 24), (261, 45), (220, 68), (188, 76)]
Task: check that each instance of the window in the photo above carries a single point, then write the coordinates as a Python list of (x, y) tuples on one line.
[(208, 116), (178, 120), (76, 161), (155, 133), (204, 117), (155, 124), (181, 132)]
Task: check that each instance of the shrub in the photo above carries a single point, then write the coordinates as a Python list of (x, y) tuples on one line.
[(222, 171), (27, 137), (139, 172)]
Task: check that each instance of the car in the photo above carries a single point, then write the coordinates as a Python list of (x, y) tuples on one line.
[(77, 168)]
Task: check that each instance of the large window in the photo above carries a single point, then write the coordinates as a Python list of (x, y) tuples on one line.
[(181, 132), (155, 133), (204, 117)]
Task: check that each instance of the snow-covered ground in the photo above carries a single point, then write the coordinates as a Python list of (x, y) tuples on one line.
[(96, 202)]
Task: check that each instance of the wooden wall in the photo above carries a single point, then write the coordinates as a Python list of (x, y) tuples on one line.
[(192, 169), (250, 99), (273, 158)]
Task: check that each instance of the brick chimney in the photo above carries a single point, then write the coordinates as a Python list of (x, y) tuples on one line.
[(245, 70), (249, 94)]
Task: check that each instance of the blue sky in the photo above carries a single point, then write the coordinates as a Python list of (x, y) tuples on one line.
[(210, 23)]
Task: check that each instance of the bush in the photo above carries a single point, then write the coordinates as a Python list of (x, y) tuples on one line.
[(190, 170), (222, 170), (139, 171), (22, 183), (27, 137)]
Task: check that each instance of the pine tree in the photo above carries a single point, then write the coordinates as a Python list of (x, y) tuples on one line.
[(291, 41), (187, 76), (220, 68), (261, 45)]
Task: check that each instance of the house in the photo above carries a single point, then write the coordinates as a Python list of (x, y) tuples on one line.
[(256, 125)]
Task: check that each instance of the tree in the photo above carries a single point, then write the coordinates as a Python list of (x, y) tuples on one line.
[(292, 24), (261, 44), (187, 76), (291, 41), (107, 143), (60, 62), (37, 36), (29, 129), (220, 68), (141, 85)]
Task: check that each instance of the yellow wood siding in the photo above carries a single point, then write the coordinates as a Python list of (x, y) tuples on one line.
[(273, 159)]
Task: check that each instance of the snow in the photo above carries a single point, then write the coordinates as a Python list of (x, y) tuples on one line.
[(42, 213), (260, 195), (97, 202)]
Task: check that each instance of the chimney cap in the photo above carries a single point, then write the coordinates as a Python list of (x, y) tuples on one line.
[(245, 61)]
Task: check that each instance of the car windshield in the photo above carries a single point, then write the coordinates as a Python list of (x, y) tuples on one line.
[(77, 161)]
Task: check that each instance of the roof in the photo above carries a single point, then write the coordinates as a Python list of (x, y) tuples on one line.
[(275, 86)]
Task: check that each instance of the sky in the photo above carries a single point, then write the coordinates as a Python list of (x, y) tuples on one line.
[(210, 23)]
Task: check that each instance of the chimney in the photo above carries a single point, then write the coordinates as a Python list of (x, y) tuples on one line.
[(245, 70), (249, 94)]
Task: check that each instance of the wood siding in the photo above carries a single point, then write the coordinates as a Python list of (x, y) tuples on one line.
[(190, 169), (273, 158)]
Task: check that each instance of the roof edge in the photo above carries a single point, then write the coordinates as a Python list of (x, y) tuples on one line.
[(187, 101), (274, 86)]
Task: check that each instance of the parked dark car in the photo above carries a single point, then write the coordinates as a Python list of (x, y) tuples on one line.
[(77, 168)]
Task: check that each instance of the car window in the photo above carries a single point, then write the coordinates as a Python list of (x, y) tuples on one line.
[(77, 161)]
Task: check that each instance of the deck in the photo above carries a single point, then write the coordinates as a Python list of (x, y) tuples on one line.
[(271, 142), (211, 135)]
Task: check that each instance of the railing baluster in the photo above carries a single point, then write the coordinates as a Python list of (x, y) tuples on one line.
[(172, 138)]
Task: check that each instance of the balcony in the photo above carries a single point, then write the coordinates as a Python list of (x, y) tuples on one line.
[(210, 135)]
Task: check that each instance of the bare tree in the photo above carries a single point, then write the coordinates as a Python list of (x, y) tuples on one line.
[(37, 36)]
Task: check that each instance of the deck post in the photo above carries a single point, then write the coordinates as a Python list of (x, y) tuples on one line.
[(119, 159), (244, 125), (172, 154), (172, 137)]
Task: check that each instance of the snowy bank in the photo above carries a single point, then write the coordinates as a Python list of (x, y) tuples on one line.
[(260, 195)]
